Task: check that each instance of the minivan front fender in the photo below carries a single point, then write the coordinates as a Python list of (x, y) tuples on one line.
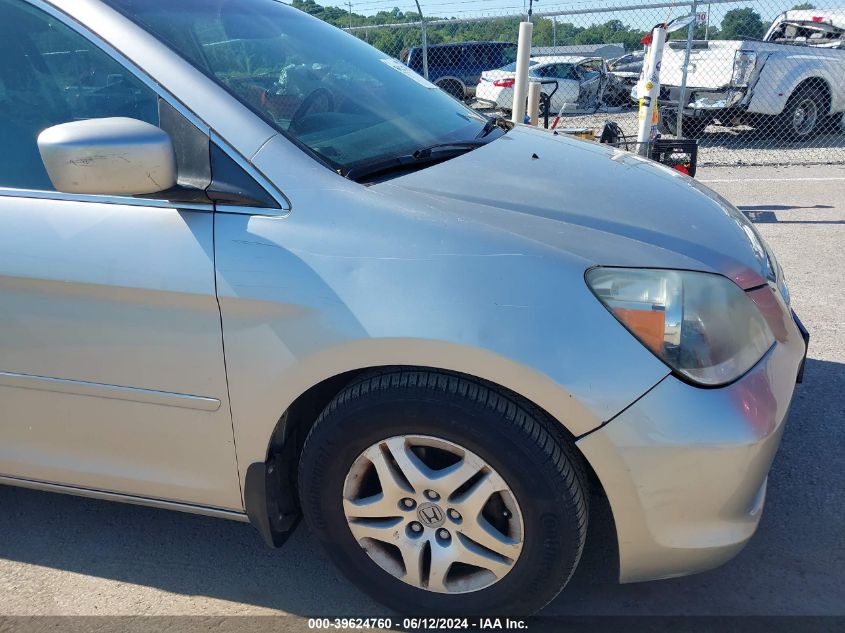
[(305, 298)]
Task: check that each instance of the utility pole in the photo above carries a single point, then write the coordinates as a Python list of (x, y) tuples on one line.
[(350, 13), (424, 35), (707, 24), (554, 31), (682, 97)]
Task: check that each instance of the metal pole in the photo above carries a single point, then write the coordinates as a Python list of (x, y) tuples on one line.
[(648, 90), (682, 94), (554, 31), (520, 88), (350, 14), (424, 40), (534, 103), (707, 24)]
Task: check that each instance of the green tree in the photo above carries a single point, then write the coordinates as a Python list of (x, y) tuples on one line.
[(739, 23), (394, 40), (804, 5)]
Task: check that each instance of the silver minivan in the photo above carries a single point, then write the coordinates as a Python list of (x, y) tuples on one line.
[(252, 268)]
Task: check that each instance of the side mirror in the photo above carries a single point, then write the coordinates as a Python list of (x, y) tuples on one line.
[(115, 156)]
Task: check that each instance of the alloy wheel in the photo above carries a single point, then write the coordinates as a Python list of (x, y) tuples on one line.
[(805, 117), (433, 514)]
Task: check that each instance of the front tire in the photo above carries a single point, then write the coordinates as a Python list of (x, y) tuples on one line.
[(693, 127), (452, 88), (437, 494)]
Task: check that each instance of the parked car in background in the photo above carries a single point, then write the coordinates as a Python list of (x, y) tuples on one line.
[(456, 67), (231, 290), (627, 69), (790, 83), (581, 84), (628, 63)]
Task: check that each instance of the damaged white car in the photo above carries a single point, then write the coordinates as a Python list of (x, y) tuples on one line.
[(573, 84), (789, 84)]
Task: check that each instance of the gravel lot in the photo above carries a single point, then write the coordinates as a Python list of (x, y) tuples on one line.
[(738, 146), (61, 555), (733, 146)]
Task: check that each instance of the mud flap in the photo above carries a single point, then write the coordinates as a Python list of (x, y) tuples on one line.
[(806, 336), (270, 500)]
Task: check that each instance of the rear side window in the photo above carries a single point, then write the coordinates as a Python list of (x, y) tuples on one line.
[(490, 56), (49, 74), (445, 56), (508, 55)]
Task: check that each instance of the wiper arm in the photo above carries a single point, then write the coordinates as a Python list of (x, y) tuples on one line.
[(458, 146), (423, 156), (492, 123)]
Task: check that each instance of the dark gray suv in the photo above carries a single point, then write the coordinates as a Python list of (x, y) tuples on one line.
[(456, 68)]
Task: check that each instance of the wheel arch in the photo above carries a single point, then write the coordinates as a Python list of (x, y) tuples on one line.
[(305, 387), (447, 78), (306, 408), (270, 486), (816, 82), (772, 93)]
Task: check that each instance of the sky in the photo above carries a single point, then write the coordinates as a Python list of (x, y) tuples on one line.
[(768, 9)]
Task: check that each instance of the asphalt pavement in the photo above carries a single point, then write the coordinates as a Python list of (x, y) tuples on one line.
[(61, 555)]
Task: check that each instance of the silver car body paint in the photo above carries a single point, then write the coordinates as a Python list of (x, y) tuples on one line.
[(112, 361), (469, 266)]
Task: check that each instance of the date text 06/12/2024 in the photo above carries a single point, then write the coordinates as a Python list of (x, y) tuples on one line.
[(421, 623)]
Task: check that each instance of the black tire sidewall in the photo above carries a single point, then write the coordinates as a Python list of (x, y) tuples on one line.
[(552, 541), (694, 127), (789, 112), (453, 89)]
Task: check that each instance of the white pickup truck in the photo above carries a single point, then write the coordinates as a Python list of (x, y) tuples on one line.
[(791, 83)]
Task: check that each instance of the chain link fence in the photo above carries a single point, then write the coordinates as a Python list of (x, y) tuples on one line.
[(760, 81)]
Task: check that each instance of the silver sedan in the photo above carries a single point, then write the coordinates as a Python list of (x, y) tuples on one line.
[(252, 268)]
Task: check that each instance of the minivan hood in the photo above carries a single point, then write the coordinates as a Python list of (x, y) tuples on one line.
[(606, 206)]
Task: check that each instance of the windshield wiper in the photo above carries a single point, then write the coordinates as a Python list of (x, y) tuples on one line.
[(423, 156), (457, 146)]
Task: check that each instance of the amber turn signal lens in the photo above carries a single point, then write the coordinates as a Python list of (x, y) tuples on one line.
[(647, 325)]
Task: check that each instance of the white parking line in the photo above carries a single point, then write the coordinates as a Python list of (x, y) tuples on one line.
[(829, 178)]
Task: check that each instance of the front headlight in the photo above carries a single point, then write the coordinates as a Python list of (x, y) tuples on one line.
[(744, 62), (702, 325)]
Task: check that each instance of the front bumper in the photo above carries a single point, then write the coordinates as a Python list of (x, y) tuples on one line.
[(715, 100), (685, 468), (699, 100)]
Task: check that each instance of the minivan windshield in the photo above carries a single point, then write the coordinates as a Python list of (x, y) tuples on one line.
[(327, 90)]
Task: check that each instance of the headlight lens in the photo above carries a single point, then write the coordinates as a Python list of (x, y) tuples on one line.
[(744, 62), (702, 325)]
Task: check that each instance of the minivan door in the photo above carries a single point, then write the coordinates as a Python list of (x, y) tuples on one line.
[(111, 359)]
